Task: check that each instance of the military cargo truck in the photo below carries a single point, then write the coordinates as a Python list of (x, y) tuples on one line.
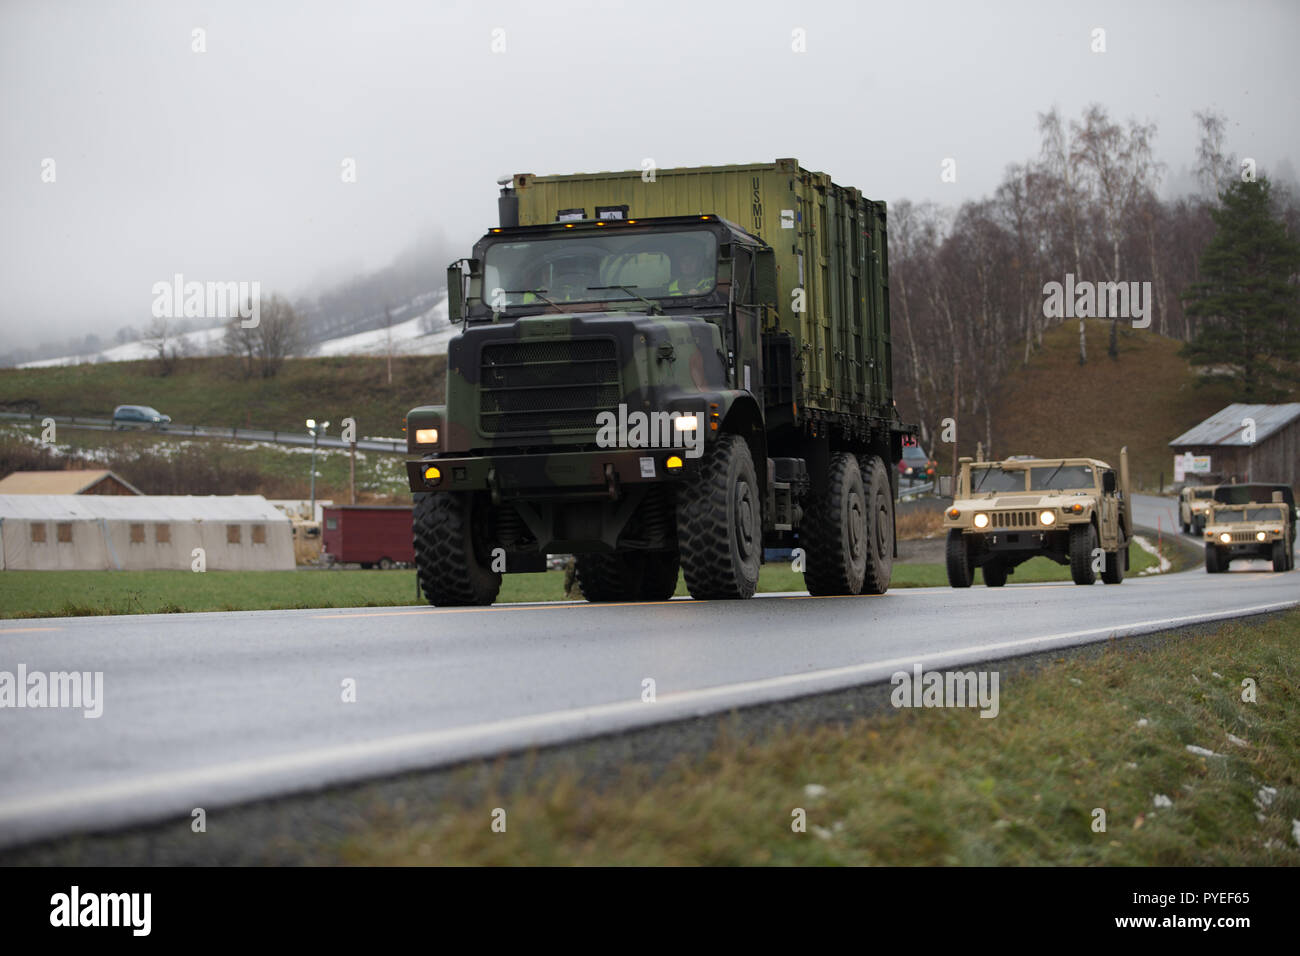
[(1254, 520), (661, 369), (1075, 511), (1193, 502)]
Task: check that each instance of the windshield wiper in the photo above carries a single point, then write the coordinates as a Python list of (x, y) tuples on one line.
[(536, 292), (655, 307), (1047, 485)]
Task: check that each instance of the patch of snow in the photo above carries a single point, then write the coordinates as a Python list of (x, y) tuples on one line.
[(1162, 802), (1201, 751), (1234, 739), (1150, 549), (814, 790)]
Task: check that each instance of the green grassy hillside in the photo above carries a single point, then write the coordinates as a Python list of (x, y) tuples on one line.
[(210, 391), (1148, 396)]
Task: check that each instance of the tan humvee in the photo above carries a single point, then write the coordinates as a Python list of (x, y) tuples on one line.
[(1193, 502), (1253, 530), (1075, 511)]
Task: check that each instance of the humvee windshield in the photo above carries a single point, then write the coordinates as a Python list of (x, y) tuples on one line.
[(1248, 514), (994, 478), (582, 269), (1203, 493), (1061, 477)]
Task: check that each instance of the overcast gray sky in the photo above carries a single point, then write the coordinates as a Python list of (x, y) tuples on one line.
[(226, 164)]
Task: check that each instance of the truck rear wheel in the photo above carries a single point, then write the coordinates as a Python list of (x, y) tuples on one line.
[(961, 572), (1280, 562), (719, 524), (1083, 541), (450, 557), (880, 524), (1113, 572), (627, 576), (837, 529)]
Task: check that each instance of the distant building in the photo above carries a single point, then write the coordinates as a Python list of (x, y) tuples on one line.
[(143, 533), (1225, 440), (100, 482)]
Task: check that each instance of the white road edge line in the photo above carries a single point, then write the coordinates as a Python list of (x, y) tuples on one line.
[(532, 730)]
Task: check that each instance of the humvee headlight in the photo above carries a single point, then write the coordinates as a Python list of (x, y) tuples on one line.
[(1261, 535), (673, 463), (1047, 517), (1225, 538), (426, 436), (686, 423), (432, 475), (981, 520)]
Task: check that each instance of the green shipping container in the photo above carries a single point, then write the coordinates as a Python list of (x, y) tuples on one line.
[(830, 252)]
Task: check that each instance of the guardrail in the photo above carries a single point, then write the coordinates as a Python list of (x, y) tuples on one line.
[(275, 436), (912, 491)]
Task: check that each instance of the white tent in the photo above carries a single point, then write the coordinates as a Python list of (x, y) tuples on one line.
[(139, 533)]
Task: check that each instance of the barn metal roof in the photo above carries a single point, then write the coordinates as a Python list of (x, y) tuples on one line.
[(57, 482), (1225, 427), (140, 508)]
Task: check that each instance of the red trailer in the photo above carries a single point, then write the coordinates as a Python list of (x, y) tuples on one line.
[(368, 535)]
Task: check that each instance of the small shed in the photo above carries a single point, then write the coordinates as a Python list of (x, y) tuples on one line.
[(79, 482), (1246, 443), (143, 533)]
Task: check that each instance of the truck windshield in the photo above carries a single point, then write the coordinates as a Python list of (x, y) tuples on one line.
[(1248, 514), (1061, 477), (1203, 493), (993, 478), (586, 267)]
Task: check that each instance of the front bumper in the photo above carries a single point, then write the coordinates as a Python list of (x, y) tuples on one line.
[(575, 474)]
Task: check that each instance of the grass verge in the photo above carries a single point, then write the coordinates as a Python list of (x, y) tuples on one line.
[(71, 593), (1104, 731)]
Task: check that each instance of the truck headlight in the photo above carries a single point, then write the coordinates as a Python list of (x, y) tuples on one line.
[(1260, 536), (686, 423), (432, 475), (981, 520), (1047, 518), (426, 436), (1225, 538)]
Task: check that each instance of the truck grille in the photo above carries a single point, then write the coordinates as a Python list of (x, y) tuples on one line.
[(1241, 537), (1014, 519), (529, 388)]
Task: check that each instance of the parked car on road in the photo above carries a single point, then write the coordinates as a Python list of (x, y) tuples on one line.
[(916, 465), (139, 416)]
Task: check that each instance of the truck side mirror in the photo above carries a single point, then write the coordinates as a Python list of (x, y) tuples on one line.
[(943, 486), (455, 292), (1109, 483)]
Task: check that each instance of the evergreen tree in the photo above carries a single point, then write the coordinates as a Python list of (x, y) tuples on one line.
[(1247, 298)]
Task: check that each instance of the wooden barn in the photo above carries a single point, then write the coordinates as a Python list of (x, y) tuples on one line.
[(1247, 443)]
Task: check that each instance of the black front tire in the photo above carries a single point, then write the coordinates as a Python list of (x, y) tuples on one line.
[(1213, 561), (451, 558), (1083, 541), (995, 573), (720, 526), (1113, 573), (1280, 562), (626, 576), (961, 572)]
